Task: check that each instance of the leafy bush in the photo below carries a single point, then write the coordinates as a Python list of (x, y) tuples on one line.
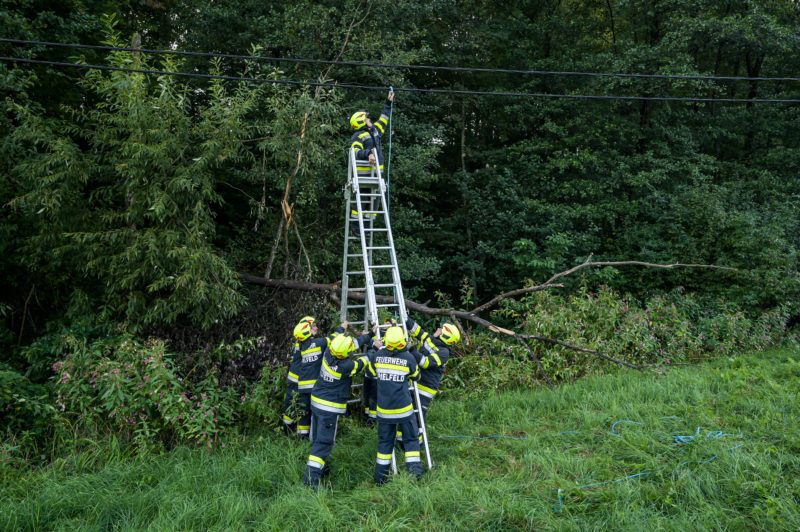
[(132, 389), (667, 328)]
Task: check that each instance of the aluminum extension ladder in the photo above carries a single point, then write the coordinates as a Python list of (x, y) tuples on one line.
[(369, 264)]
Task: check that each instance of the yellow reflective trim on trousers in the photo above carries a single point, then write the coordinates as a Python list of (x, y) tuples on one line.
[(306, 383), (426, 389), (384, 456), (412, 453), (328, 403), (394, 411), (316, 459)]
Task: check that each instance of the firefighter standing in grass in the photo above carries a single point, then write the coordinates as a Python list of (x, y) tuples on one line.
[(329, 401), (289, 421), (433, 354), (393, 366), (311, 350)]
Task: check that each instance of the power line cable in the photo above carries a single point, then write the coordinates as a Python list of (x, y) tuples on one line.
[(397, 66), (402, 89)]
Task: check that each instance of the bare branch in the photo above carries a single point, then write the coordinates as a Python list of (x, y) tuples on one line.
[(588, 263)]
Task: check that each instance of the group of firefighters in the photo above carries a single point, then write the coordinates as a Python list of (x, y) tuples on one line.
[(322, 368), (319, 384)]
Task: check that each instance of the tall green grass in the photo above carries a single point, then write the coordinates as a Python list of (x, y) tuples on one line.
[(497, 483)]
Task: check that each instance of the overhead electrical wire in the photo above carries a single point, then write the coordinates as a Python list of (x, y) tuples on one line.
[(395, 66), (399, 89)]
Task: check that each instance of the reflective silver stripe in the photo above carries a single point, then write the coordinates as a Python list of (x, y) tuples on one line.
[(312, 463), (425, 393), (329, 374), (395, 416), (423, 361), (383, 461), (305, 386), (392, 371), (412, 459), (328, 408)]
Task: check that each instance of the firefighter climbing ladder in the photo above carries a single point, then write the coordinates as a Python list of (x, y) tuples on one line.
[(369, 264)]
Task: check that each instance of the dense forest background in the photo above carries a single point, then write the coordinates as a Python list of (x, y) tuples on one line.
[(131, 202)]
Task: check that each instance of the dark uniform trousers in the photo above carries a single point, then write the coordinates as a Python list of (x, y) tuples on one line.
[(323, 436), (304, 423), (386, 436)]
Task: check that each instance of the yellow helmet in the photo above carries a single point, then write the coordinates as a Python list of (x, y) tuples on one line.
[(342, 345), (302, 331), (395, 338), (450, 334), (359, 119), (309, 319)]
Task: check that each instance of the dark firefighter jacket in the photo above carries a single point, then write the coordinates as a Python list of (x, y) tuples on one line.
[(332, 388), (431, 357), (311, 358), (294, 367), (393, 369), (364, 139)]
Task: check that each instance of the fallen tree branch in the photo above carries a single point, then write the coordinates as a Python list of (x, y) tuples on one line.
[(472, 317), (587, 264), (428, 311)]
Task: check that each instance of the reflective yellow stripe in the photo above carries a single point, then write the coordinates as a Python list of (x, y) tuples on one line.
[(392, 366), (334, 373), (293, 376), (311, 350), (328, 403), (379, 126), (412, 453), (316, 459), (416, 372), (384, 456), (395, 411), (438, 360), (426, 389), (354, 213), (306, 383), (364, 135), (360, 146)]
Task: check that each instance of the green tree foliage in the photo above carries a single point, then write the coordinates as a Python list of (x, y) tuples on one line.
[(139, 196)]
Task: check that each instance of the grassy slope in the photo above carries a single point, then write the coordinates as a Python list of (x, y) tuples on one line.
[(479, 484)]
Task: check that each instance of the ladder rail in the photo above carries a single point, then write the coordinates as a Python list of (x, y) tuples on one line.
[(367, 242)]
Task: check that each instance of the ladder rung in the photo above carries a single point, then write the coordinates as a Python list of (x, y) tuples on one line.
[(376, 266), (389, 285), (388, 305), (377, 229), (353, 401), (355, 306), (356, 385), (354, 273), (372, 212), (359, 289), (370, 195), (379, 247)]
